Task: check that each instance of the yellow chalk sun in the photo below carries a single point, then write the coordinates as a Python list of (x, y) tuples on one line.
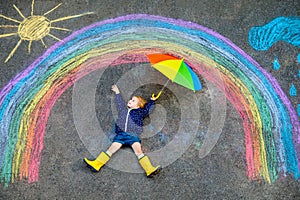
[(34, 27)]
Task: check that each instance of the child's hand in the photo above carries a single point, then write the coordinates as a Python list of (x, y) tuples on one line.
[(115, 89)]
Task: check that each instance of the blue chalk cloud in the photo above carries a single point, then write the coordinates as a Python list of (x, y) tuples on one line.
[(285, 29)]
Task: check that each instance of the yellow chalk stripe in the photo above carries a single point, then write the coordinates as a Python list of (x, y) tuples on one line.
[(71, 17)]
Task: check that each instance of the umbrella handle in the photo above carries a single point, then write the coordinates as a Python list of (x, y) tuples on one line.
[(157, 96)]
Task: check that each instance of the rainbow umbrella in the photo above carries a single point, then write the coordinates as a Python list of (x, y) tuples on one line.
[(176, 70)]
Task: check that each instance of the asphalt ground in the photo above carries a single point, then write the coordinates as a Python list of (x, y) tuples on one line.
[(219, 175)]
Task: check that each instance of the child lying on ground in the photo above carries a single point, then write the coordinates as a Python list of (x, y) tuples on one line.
[(128, 127)]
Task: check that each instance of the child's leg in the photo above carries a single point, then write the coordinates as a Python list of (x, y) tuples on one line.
[(144, 160), (103, 157), (137, 148), (114, 147)]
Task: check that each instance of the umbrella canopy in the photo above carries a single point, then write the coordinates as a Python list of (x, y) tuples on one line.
[(176, 69)]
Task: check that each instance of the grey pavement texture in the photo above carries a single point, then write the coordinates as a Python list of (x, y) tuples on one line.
[(219, 175)]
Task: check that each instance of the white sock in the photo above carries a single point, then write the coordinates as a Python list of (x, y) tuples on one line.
[(108, 153), (140, 156)]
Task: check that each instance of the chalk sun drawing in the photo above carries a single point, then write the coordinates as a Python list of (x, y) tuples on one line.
[(271, 124), (34, 27)]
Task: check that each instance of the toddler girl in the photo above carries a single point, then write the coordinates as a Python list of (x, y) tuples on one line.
[(128, 127)]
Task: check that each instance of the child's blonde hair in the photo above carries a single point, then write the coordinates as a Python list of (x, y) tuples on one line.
[(142, 102)]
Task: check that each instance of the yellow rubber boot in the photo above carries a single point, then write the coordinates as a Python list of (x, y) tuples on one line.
[(95, 165), (147, 166)]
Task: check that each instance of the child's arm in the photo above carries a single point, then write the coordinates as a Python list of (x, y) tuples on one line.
[(115, 89), (119, 99), (149, 107)]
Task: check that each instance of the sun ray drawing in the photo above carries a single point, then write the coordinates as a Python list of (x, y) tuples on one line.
[(33, 27)]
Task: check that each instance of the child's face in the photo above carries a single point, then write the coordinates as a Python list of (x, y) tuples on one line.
[(133, 103)]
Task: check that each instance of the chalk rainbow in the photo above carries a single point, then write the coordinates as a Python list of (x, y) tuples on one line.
[(270, 122)]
